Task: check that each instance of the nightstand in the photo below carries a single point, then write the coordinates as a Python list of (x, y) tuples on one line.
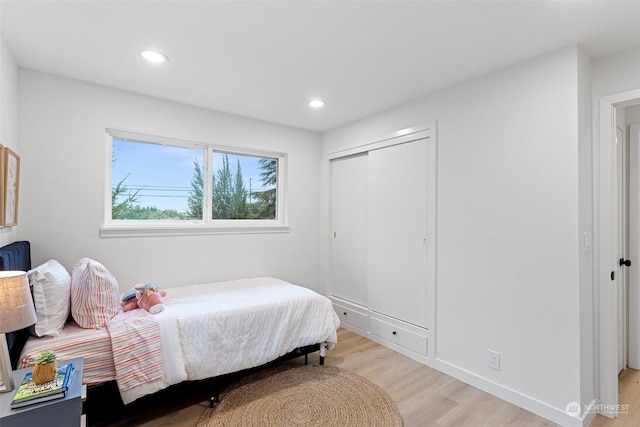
[(64, 412)]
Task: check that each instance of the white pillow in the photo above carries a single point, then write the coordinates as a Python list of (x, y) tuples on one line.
[(51, 288), (95, 297)]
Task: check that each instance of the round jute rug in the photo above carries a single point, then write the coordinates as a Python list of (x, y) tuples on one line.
[(307, 395)]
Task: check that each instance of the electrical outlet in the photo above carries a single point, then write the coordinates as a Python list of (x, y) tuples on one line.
[(494, 360)]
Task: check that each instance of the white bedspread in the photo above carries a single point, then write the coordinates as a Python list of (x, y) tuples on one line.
[(228, 326)]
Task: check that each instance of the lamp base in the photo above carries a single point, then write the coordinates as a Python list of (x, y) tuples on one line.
[(5, 366)]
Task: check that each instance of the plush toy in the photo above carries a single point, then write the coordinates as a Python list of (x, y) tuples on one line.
[(146, 296)]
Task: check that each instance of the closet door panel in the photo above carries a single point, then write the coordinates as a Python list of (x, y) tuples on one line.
[(397, 265), (349, 228)]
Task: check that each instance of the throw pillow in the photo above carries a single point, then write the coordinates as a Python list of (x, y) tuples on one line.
[(94, 294), (51, 288)]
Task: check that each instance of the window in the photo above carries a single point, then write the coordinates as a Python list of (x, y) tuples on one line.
[(244, 187), (157, 185), (154, 182)]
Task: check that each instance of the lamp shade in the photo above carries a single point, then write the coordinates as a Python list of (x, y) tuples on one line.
[(16, 304)]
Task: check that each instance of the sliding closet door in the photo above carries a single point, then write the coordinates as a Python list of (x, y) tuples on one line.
[(349, 228), (397, 265)]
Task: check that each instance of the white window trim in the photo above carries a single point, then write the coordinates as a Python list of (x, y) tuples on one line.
[(208, 226)]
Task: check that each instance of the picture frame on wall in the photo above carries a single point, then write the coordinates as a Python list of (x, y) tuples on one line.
[(10, 180)]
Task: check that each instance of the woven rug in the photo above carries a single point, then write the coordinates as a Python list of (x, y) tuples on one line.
[(305, 395)]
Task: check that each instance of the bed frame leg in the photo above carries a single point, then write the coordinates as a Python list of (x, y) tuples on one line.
[(306, 359), (323, 348), (214, 396), (213, 400)]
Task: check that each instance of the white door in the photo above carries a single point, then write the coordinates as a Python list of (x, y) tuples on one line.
[(634, 248), (608, 268), (621, 284), (398, 231), (349, 228)]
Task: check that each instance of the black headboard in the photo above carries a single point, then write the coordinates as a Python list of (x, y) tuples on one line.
[(16, 256)]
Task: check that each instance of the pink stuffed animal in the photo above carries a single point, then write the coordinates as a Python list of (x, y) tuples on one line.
[(147, 296)]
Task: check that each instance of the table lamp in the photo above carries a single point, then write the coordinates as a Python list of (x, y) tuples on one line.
[(16, 312)]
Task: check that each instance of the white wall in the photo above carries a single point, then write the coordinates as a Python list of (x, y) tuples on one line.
[(585, 227), (62, 143), (632, 115), (8, 116), (616, 74), (507, 226)]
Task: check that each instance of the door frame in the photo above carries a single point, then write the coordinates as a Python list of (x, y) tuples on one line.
[(608, 304), (622, 244), (633, 328)]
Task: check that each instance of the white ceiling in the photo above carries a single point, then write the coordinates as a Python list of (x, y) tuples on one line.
[(266, 59)]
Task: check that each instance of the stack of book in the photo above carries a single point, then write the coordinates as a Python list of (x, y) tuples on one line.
[(30, 393)]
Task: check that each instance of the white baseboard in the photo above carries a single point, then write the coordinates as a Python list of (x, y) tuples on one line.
[(544, 410), (557, 415)]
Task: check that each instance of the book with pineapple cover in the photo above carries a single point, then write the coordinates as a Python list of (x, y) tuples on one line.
[(29, 393)]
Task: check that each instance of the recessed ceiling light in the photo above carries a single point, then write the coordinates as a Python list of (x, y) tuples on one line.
[(153, 56), (316, 103)]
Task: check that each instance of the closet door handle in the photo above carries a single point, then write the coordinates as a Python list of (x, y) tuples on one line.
[(625, 262)]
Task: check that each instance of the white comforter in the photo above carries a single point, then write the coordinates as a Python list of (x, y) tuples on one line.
[(218, 328), (229, 326)]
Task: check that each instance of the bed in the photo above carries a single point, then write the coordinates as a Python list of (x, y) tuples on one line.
[(206, 331)]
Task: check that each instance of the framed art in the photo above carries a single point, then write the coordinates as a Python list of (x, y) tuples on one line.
[(11, 186)]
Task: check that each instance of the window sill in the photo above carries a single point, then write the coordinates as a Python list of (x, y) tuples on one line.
[(164, 230)]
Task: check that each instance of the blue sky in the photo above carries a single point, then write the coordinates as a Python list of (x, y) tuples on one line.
[(164, 173)]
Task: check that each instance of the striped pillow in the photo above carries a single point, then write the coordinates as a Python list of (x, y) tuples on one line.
[(94, 294)]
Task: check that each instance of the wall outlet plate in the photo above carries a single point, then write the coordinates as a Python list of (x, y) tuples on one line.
[(494, 360)]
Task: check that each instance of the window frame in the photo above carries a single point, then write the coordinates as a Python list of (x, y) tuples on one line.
[(208, 225)]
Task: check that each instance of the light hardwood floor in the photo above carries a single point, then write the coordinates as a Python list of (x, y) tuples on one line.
[(425, 397)]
